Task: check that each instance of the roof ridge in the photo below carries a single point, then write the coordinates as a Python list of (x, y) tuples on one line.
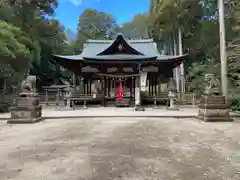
[(141, 41), (128, 41), (98, 41)]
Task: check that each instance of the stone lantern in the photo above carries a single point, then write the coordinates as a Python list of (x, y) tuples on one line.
[(172, 94), (69, 93)]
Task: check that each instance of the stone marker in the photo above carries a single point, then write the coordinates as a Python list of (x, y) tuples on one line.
[(212, 105), (27, 108)]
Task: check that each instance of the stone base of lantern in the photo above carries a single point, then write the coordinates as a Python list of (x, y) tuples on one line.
[(172, 105), (139, 108), (172, 108), (84, 105)]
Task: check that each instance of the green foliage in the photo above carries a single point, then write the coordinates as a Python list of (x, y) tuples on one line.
[(235, 99), (28, 38), (13, 44), (137, 28), (200, 29), (235, 104), (234, 44), (16, 48), (92, 25), (95, 25), (196, 73)]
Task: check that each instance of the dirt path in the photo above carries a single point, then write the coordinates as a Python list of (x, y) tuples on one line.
[(120, 148)]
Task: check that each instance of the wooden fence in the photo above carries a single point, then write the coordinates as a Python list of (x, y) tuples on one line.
[(55, 96)]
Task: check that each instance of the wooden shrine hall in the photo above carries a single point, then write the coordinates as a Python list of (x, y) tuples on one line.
[(117, 64)]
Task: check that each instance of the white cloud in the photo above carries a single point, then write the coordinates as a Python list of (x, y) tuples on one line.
[(79, 2), (76, 2)]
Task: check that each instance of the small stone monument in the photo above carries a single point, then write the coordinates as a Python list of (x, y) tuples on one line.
[(172, 94), (27, 108), (212, 105)]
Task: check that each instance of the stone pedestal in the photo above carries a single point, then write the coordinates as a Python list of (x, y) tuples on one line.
[(172, 106), (84, 104), (213, 108), (155, 106), (27, 109), (139, 108)]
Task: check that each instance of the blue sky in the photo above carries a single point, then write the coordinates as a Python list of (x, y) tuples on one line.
[(68, 11)]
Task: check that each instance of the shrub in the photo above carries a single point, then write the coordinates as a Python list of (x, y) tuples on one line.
[(235, 103), (4, 107)]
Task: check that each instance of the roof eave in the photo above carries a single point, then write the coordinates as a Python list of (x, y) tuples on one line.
[(169, 57), (72, 57)]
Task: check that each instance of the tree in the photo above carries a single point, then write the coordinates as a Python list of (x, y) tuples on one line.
[(16, 48), (199, 23), (95, 25), (39, 30), (137, 28), (234, 44)]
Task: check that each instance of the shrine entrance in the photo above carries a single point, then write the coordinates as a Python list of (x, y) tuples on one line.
[(119, 88)]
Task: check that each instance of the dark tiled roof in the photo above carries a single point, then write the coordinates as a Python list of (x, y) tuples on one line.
[(147, 47)]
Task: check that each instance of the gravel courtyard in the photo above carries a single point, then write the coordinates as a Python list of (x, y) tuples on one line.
[(120, 148)]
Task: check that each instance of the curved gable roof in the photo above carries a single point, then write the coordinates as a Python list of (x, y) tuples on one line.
[(142, 50), (94, 47), (124, 44)]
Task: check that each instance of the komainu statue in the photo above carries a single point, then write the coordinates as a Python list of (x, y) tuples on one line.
[(29, 84), (212, 85)]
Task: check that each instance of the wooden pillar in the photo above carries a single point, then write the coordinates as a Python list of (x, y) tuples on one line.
[(152, 85), (104, 91), (155, 86), (111, 87), (88, 86), (148, 86), (159, 81), (134, 86), (74, 79), (46, 96), (114, 86), (57, 96), (84, 87), (103, 69), (131, 87)]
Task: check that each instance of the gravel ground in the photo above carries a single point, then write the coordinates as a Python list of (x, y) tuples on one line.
[(120, 148)]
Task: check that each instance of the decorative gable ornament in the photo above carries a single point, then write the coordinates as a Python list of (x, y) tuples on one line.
[(120, 48)]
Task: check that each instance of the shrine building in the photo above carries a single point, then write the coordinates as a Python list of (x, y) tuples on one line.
[(118, 64)]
